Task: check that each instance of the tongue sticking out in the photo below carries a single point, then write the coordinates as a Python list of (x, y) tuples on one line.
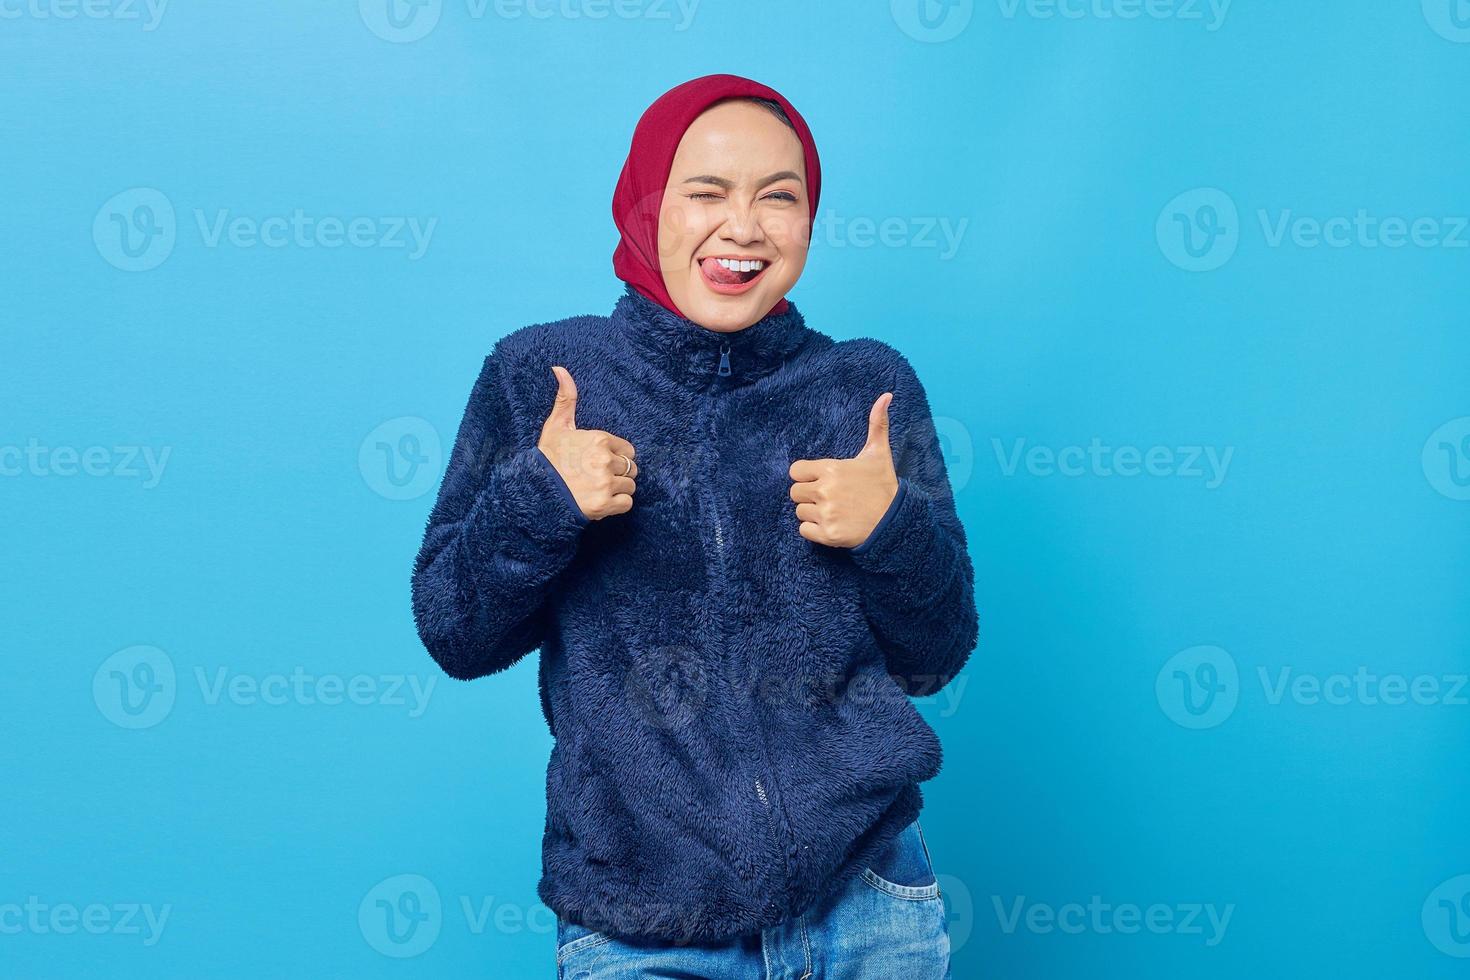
[(720, 274)]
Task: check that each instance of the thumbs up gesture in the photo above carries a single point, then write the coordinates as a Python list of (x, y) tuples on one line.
[(597, 466), (840, 501)]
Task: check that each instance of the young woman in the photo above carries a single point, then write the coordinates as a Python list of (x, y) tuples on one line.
[(734, 542)]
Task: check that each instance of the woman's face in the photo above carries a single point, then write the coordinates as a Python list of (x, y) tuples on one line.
[(736, 191)]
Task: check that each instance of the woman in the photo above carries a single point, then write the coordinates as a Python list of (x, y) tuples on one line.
[(734, 542)]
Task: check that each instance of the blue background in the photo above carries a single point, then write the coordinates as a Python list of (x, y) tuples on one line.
[(1082, 758)]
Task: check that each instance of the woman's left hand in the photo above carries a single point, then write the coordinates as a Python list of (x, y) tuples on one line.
[(840, 501)]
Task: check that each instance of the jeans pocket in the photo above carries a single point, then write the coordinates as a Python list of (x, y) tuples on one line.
[(573, 938), (904, 869)]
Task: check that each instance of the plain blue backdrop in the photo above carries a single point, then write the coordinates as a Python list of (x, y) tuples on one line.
[(1187, 286)]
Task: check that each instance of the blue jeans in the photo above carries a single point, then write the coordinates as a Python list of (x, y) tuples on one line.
[(887, 922)]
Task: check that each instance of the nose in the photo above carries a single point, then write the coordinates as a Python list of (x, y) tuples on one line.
[(741, 226)]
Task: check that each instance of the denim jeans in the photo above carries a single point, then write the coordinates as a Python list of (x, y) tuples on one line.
[(887, 922)]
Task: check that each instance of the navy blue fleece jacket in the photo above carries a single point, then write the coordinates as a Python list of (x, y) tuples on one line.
[(730, 701)]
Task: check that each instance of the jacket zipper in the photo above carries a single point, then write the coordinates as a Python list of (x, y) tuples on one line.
[(760, 789), (712, 500)]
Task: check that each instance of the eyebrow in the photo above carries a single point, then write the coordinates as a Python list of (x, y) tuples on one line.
[(728, 184)]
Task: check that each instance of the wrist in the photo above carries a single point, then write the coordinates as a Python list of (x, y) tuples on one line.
[(884, 521), (565, 491)]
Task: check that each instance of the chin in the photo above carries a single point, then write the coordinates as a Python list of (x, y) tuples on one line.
[(728, 313), (716, 312)]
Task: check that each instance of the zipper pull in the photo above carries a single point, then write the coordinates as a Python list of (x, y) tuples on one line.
[(725, 360)]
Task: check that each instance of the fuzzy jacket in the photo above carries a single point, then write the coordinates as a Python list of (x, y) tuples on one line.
[(733, 735)]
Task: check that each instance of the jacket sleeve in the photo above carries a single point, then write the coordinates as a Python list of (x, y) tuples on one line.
[(504, 525), (918, 581)]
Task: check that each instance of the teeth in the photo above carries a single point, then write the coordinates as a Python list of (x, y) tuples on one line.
[(742, 265)]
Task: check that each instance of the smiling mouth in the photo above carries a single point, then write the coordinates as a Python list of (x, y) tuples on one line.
[(727, 275)]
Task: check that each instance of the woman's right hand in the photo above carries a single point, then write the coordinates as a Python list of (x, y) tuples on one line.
[(587, 459)]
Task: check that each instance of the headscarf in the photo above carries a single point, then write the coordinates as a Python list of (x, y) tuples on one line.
[(640, 190)]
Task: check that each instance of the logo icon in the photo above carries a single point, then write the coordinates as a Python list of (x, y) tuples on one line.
[(667, 687), (400, 21), (400, 459), (1446, 917), (135, 231), (958, 450), (932, 21), (1199, 230), (1198, 687), (1449, 18), (401, 916), (959, 910), (135, 687), (1446, 459)]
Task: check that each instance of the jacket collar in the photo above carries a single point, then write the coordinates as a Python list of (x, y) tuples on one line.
[(691, 354)]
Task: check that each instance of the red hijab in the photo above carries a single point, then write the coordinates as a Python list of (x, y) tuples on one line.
[(639, 194)]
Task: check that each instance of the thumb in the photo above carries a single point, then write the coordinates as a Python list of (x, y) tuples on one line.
[(878, 426), (564, 410)]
